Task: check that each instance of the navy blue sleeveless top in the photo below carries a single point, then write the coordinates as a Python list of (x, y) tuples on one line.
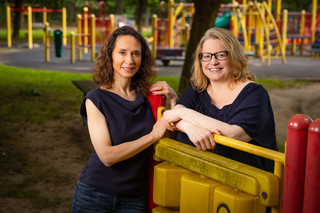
[(127, 121), (251, 110)]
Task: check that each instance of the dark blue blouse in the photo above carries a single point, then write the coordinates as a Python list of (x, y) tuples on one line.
[(251, 110), (127, 121)]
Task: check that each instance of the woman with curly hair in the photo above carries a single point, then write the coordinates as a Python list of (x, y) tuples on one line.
[(120, 123)]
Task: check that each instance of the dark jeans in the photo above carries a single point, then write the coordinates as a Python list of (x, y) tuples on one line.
[(87, 199)]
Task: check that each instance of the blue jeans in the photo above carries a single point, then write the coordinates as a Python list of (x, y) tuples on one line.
[(87, 199)]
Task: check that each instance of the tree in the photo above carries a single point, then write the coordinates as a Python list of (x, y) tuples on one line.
[(203, 19), (141, 8), (119, 7), (17, 19)]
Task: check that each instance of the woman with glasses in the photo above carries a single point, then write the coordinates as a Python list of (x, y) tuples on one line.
[(223, 99)]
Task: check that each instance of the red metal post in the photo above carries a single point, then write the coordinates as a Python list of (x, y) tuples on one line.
[(155, 101), (312, 175), (297, 133)]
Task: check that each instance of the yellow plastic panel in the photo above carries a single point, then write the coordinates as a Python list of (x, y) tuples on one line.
[(197, 194), (166, 184), (246, 178), (161, 209), (227, 200), (211, 170)]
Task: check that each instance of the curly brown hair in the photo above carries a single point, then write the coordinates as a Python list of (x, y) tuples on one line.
[(103, 73)]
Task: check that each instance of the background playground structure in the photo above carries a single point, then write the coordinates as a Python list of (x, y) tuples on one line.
[(29, 11), (86, 29), (170, 32), (252, 22), (99, 28), (103, 25), (292, 27)]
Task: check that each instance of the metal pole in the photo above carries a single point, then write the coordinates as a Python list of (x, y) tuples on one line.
[(79, 37), (64, 26), (9, 40), (155, 33), (313, 20), (171, 14), (85, 19), (111, 23), (47, 43), (297, 133), (93, 36), (30, 40), (72, 48), (44, 19), (312, 176), (303, 21)]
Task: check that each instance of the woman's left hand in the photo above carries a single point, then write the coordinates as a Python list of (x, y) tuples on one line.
[(163, 88)]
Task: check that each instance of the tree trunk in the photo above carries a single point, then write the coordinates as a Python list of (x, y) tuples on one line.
[(71, 8), (119, 7), (141, 8), (17, 19), (204, 18), (147, 17)]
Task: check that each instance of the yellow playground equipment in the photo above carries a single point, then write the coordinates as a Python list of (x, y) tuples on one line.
[(262, 34), (86, 35), (259, 31), (29, 10), (170, 32), (186, 180), (313, 17)]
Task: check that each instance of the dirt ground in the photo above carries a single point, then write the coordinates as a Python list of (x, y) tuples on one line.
[(67, 149), (291, 101)]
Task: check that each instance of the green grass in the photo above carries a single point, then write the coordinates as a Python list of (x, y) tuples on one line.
[(280, 84), (37, 34), (146, 31), (35, 88)]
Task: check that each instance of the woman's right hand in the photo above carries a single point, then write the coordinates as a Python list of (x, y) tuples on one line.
[(158, 130), (163, 88), (201, 137)]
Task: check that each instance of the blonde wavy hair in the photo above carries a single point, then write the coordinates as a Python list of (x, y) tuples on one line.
[(236, 57)]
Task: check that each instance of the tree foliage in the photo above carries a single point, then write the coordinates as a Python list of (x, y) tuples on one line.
[(297, 5)]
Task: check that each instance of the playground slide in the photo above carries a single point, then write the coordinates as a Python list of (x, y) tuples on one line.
[(223, 22)]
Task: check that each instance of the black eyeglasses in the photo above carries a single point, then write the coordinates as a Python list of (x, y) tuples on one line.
[(220, 56)]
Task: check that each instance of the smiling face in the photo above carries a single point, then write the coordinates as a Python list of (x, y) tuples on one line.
[(126, 57), (215, 70)]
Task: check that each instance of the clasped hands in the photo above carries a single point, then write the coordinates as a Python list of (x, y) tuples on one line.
[(201, 137)]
